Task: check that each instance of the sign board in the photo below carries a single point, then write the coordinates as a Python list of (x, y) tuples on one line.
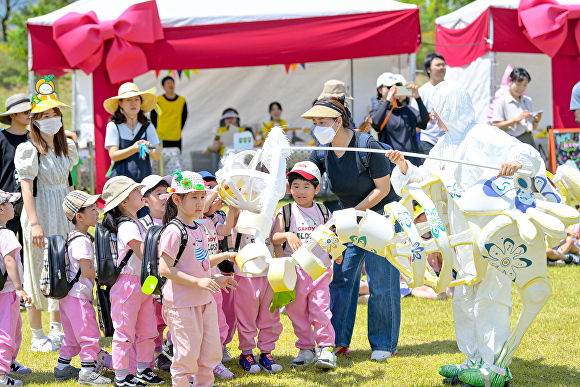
[(564, 147)]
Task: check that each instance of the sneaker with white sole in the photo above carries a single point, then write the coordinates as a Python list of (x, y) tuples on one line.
[(129, 381), (43, 345), (92, 378), (68, 372), (222, 372), (56, 337), (149, 377), (558, 262), (268, 364), (304, 358), (8, 381), (326, 358), (381, 355), (226, 355), (18, 369), (248, 363)]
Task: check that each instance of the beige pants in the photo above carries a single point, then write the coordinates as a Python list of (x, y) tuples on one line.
[(196, 344)]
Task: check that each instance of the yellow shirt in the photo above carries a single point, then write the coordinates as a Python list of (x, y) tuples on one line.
[(169, 122), (225, 135)]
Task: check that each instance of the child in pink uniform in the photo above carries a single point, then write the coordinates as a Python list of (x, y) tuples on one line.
[(10, 296), (78, 316), (311, 308), (188, 307), (252, 306), (154, 187), (135, 330)]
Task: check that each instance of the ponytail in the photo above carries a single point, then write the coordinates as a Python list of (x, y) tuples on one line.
[(170, 209), (110, 219)]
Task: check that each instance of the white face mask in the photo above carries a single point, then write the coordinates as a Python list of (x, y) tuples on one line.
[(324, 134), (199, 221), (50, 126)]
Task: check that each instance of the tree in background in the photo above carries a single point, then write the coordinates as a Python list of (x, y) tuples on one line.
[(7, 8)]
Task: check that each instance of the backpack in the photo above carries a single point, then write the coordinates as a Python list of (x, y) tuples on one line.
[(226, 266), (150, 261), (107, 253), (3, 276), (54, 281), (287, 214), (362, 141)]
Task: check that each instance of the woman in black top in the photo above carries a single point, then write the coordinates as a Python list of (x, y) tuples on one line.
[(361, 188), (396, 125)]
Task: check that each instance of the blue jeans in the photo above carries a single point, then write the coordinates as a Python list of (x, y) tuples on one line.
[(384, 310)]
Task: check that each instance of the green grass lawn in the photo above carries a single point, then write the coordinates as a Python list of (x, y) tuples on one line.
[(548, 355)]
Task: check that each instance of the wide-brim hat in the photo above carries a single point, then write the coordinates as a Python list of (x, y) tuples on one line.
[(117, 189), (17, 103), (184, 182), (334, 88), (47, 104), (152, 181), (318, 111), (128, 90)]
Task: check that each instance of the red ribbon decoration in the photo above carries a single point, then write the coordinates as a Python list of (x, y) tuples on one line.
[(82, 37), (545, 23)]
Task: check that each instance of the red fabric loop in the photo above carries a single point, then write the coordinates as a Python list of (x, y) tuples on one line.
[(81, 39)]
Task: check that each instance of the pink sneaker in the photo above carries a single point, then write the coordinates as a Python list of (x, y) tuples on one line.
[(222, 372)]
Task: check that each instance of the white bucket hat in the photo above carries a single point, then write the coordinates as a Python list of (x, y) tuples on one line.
[(184, 182)]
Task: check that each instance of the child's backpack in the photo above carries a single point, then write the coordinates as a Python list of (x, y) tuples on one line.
[(150, 261), (107, 253), (3, 276), (287, 214), (54, 281)]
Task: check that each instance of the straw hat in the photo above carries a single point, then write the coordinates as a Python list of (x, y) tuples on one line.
[(334, 88), (117, 189), (128, 90), (46, 97), (322, 109), (184, 182), (15, 104)]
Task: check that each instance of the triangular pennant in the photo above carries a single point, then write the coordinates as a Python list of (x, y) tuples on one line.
[(187, 74), (293, 65), (179, 73), (195, 71), (287, 67), (157, 73), (303, 65), (274, 66), (170, 71)]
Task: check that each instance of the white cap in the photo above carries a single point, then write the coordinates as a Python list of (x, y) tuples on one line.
[(401, 79), (389, 79), (152, 180), (306, 169)]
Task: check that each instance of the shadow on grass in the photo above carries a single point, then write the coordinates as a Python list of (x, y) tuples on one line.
[(427, 349), (537, 373)]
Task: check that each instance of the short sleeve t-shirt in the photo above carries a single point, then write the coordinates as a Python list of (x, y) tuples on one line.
[(9, 243), (176, 295), (350, 185), (78, 249), (112, 135), (507, 107), (575, 98), (302, 222), (128, 231), (8, 144)]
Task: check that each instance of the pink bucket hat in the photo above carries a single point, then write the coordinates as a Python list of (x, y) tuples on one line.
[(184, 182)]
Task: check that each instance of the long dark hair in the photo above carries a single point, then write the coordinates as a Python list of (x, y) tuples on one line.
[(271, 106), (339, 103), (119, 118), (171, 209), (60, 144), (110, 219)]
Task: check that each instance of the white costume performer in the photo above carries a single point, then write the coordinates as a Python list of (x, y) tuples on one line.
[(481, 311)]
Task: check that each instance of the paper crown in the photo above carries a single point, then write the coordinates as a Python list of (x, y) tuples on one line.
[(46, 97)]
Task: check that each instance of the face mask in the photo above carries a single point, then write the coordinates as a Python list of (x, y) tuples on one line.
[(324, 134), (199, 221), (50, 126)]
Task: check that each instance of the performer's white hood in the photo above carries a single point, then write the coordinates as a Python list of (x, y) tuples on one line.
[(453, 105)]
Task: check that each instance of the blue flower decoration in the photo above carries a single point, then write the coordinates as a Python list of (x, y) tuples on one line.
[(455, 190), (417, 251), (434, 222), (404, 218), (508, 258)]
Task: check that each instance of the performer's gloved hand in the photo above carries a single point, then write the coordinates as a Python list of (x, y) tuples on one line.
[(508, 169)]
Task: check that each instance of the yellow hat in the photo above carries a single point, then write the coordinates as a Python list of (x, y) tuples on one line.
[(418, 210), (323, 109), (128, 90), (46, 97)]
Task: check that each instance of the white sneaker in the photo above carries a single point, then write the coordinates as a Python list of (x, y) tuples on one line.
[(18, 369), (43, 345), (226, 355), (56, 337), (326, 358), (91, 378), (8, 381), (304, 358), (222, 372), (381, 355)]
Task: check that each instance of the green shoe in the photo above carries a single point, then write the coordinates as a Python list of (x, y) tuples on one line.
[(475, 377), (450, 370)]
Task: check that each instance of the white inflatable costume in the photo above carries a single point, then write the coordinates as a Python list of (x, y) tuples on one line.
[(481, 311)]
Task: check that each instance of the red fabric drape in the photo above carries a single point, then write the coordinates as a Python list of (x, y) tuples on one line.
[(462, 46)]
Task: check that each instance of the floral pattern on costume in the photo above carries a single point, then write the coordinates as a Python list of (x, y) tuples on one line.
[(328, 242), (508, 258), (416, 251), (435, 222)]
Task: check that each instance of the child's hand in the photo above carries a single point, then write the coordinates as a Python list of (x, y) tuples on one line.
[(216, 205), (226, 282), (293, 241), (232, 256), (24, 297), (338, 259), (208, 284)]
